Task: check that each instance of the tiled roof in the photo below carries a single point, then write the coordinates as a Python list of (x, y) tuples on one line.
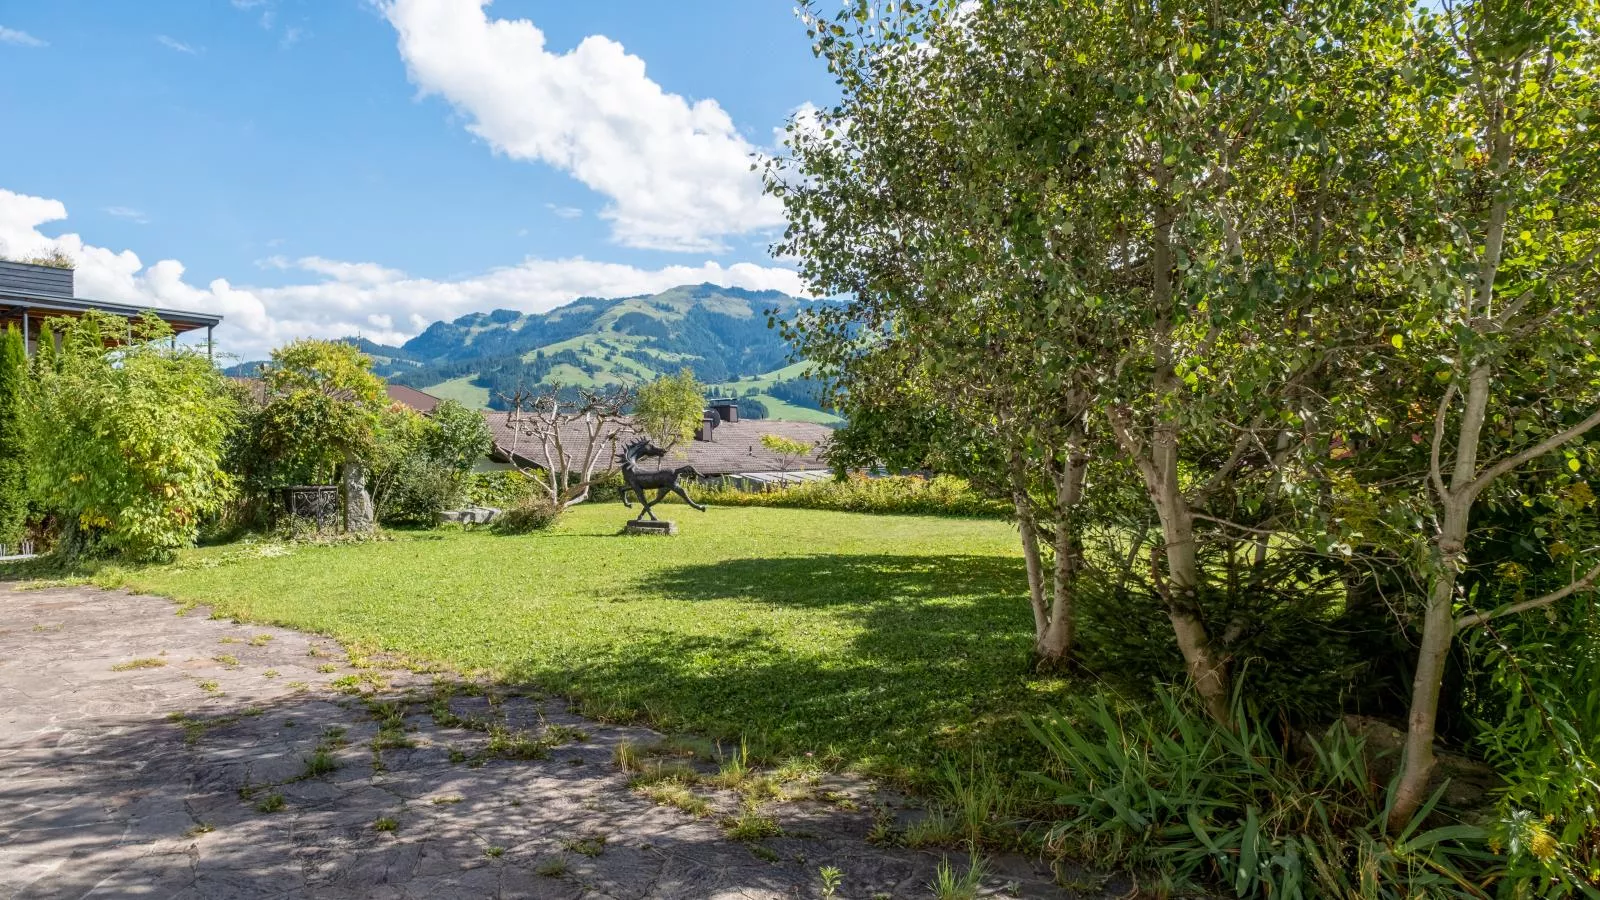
[(398, 393), (410, 396), (736, 446)]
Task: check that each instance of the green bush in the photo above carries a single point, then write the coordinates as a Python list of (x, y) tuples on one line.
[(13, 436), (1165, 787), (1534, 695), (943, 495), (421, 489), (606, 488), (500, 489), (532, 513), (127, 442)]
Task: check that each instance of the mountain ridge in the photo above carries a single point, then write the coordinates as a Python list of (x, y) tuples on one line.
[(724, 335)]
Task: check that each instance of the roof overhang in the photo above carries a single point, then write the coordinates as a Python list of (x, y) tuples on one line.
[(13, 306)]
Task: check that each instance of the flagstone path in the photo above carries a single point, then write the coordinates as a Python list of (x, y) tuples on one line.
[(145, 753)]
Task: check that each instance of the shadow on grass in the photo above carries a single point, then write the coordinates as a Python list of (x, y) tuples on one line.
[(906, 659)]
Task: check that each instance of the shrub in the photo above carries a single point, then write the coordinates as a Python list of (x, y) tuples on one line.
[(13, 438), (943, 495), (127, 442), (323, 410), (1534, 694), (457, 437), (532, 513), (1164, 786), (420, 490), (499, 490), (606, 488)]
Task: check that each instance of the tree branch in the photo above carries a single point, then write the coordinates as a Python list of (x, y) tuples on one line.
[(1583, 583), (1545, 446)]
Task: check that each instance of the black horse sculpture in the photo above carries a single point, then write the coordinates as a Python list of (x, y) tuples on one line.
[(664, 481)]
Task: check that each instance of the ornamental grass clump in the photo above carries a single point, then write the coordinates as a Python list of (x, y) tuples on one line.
[(1163, 786)]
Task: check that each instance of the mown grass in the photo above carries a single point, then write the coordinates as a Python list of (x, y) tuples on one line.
[(884, 643)]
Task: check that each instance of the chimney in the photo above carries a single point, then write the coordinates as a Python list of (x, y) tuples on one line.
[(726, 410), (708, 424), (35, 281)]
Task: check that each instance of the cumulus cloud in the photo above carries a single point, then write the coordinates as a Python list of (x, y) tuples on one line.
[(676, 173), (20, 38), (348, 298)]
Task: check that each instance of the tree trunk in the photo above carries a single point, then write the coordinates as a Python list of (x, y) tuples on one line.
[(1028, 528), (1456, 500), (1206, 670), (1438, 630), (1438, 621), (1055, 645), (358, 514)]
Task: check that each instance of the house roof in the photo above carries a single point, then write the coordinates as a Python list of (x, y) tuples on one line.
[(735, 447), (410, 396), (398, 393), (46, 291)]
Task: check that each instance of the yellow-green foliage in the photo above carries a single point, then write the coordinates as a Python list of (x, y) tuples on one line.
[(323, 408), (668, 409), (127, 441), (943, 495)]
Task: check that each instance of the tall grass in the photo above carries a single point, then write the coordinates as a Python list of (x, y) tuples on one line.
[(1163, 787)]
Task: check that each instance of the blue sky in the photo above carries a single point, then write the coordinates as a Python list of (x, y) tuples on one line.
[(325, 166)]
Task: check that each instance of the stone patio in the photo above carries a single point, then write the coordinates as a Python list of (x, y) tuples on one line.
[(145, 753)]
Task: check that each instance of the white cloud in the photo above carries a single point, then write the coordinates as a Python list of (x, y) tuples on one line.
[(172, 43), (677, 173), (20, 38), (129, 213), (565, 212), (352, 273), (348, 298)]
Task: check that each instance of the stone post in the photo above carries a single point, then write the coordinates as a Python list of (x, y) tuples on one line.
[(358, 515)]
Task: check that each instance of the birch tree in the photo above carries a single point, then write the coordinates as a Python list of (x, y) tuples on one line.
[(1494, 182)]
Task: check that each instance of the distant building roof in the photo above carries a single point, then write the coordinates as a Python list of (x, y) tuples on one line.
[(417, 400), (398, 393), (735, 447)]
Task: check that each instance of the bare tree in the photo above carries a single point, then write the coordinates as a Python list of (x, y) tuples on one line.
[(559, 443)]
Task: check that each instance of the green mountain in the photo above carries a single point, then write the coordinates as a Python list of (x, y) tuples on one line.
[(722, 334)]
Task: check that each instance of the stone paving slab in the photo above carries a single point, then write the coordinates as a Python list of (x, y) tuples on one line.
[(160, 778)]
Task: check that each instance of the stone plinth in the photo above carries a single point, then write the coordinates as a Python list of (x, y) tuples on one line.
[(472, 515), (649, 527)]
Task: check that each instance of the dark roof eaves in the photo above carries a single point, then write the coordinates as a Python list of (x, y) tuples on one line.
[(62, 304)]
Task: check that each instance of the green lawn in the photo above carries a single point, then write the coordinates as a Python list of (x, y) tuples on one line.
[(882, 642), (788, 412), (461, 390)]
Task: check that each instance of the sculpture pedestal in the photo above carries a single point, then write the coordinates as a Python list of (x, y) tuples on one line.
[(649, 527)]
